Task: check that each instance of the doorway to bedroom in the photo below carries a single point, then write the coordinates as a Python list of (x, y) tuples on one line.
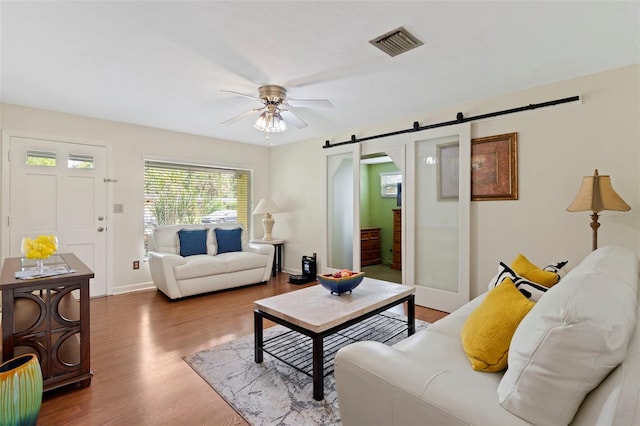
[(380, 217)]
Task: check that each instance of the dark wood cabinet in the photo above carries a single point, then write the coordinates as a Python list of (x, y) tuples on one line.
[(370, 246), (42, 316), (396, 260)]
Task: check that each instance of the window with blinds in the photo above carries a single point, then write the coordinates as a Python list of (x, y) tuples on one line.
[(36, 157), (177, 193)]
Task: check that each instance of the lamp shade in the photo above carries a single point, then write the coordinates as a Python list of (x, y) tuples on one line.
[(266, 206), (270, 122), (596, 194)]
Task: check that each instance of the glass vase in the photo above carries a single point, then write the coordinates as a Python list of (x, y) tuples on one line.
[(39, 249)]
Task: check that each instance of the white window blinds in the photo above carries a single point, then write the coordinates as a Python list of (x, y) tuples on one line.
[(176, 193)]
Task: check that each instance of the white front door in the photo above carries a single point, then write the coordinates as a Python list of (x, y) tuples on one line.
[(58, 188)]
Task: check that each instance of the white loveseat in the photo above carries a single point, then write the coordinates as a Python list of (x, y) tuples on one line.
[(581, 335), (179, 276)]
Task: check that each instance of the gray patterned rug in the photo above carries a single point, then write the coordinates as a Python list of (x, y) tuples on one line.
[(270, 393)]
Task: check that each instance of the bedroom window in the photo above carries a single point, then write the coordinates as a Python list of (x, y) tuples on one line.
[(178, 193)]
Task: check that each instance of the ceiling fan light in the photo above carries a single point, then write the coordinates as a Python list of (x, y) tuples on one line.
[(278, 124), (270, 123), (261, 122)]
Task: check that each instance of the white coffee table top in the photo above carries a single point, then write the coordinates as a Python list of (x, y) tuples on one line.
[(316, 309)]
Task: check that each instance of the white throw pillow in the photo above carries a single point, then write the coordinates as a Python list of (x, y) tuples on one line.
[(571, 339)]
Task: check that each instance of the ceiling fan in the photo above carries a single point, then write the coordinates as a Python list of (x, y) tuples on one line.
[(276, 109)]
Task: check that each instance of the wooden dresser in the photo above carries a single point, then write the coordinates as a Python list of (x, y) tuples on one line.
[(396, 260), (370, 246)]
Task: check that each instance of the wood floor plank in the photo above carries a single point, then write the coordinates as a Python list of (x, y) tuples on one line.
[(137, 344)]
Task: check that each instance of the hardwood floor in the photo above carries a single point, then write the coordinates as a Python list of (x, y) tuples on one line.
[(137, 344)]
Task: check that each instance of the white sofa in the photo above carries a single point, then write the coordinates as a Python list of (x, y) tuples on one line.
[(177, 276), (580, 335)]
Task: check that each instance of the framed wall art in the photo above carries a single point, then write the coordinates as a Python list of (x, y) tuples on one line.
[(494, 168), (448, 170)]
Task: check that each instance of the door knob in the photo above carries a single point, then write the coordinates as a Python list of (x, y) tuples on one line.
[(100, 218), (100, 229)]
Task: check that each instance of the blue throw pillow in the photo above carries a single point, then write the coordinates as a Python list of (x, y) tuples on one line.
[(192, 241), (229, 240)]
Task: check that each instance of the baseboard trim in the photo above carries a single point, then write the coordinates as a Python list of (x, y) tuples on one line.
[(134, 287)]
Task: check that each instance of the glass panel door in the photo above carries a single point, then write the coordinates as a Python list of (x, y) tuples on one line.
[(440, 194), (343, 172)]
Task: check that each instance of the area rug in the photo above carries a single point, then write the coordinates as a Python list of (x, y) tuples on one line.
[(270, 393)]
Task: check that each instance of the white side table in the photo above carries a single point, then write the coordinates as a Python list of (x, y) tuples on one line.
[(278, 245)]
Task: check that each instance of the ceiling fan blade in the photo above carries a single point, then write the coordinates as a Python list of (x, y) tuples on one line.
[(240, 116), (365, 65), (290, 117), (243, 94), (312, 103)]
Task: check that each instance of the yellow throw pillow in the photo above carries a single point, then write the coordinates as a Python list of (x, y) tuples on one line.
[(524, 268), (487, 332)]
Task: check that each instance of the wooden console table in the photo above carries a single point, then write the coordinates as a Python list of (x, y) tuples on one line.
[(41, 316)]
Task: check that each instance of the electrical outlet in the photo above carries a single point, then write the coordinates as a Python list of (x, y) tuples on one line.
[(136, 264)]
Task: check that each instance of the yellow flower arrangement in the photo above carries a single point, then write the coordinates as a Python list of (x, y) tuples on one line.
[(40, 247)]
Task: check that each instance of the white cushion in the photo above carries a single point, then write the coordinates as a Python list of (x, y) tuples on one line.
[(242, 260), (165, 239), (572, 338), (200, 265)]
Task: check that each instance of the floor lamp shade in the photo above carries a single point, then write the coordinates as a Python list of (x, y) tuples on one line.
[(596, 194), (266, 206)]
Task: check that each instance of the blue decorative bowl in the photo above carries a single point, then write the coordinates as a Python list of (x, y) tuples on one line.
[(340, 285)]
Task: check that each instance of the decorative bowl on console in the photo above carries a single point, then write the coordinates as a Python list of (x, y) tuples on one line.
[(343, 283)]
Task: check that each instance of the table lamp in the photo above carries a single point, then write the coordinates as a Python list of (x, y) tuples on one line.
[(596, 194), (266, 206)]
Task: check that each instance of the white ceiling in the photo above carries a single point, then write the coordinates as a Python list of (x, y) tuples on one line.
[(163, 63)]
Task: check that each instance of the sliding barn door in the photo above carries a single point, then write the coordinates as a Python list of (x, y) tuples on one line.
[(438, 198)]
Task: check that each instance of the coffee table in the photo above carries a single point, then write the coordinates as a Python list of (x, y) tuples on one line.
[(318, 314)]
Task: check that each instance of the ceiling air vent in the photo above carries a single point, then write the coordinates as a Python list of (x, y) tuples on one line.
[(396, 42)]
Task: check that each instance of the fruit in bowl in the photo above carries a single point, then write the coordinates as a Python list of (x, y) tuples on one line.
[(342, 281)]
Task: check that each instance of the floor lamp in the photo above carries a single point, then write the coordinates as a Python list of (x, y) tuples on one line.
[(595, 195)]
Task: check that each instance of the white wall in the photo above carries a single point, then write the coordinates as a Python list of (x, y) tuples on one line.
[(128, 144), (557, 146)]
